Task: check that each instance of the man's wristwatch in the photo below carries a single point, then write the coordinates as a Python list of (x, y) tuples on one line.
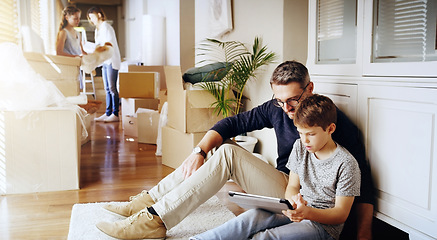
[(199, 151)]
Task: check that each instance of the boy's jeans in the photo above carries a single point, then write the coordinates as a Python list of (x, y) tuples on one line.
[(176, 198), (260, 224)]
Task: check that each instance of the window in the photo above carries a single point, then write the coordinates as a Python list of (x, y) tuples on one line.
[(336, 31), (8, 21), (404, 31)]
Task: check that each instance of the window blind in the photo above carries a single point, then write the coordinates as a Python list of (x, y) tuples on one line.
[(8, 21), (330, 22), (402, 29), (336, 31), (35, 16)]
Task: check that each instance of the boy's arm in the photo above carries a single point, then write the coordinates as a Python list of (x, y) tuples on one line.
[(293, 188), (336, 215)]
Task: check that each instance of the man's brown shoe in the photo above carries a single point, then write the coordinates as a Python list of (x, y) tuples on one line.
[(136, 204), (142, 225)]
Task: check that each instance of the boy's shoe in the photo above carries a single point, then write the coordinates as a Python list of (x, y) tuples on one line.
[(112, 118), (139, 226), (101, 118), (135, 204)]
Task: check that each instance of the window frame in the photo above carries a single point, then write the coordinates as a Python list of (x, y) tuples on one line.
[(344, 69), (395, 69)]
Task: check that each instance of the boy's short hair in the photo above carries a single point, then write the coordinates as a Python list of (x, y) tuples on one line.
[(315, 110)]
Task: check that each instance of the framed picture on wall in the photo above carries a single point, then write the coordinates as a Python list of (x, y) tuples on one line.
[(220, 17)]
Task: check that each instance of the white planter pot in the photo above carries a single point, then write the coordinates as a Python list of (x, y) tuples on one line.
[(246, 142)]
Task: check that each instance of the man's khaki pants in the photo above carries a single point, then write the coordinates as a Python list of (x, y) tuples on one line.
[(175, 198)]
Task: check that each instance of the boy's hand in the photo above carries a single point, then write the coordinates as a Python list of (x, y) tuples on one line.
[(300, 209)]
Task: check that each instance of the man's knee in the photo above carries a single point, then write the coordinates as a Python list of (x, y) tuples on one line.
[(227, 151)]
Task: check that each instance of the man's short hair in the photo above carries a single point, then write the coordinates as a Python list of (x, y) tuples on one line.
[(315, 110), (290, 71)]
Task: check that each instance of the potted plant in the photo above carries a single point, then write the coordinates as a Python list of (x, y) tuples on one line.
[(241, 65)]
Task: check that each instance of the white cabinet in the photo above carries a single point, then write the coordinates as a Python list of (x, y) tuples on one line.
[(344, 95), (390, 92), (400, 130)]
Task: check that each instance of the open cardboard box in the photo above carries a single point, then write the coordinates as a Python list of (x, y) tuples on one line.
[(189, 111), (128, 113), (62, 71), (131, 105)]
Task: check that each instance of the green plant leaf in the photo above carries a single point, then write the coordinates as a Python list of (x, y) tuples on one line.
[(243, 65)]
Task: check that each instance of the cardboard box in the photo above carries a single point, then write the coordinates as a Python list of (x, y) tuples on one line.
[(162, 99), (177, 145), (157, 69), (62, 71), (130, 126), (40, 152), (138, 85), (129, 106), (148, 123), (89, 118), (189, 111)]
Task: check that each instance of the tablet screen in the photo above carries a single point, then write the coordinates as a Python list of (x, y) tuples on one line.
[(248, 201)]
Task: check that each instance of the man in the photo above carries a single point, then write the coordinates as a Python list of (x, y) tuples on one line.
[(196, 180), (323, 181)]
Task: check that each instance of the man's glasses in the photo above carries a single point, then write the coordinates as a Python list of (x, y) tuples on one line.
[(290, 102)]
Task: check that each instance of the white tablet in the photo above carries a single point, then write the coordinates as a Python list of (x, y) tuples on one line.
[(248, 201)]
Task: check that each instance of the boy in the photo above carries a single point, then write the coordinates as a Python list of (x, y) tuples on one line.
[(323, 182)]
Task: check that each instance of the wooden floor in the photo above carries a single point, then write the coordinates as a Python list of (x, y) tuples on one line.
[(113, 167)]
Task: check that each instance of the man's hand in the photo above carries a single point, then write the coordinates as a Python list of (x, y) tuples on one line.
[(300, 209), (191, 164)]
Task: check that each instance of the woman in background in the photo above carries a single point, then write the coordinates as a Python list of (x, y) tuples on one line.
[(68, 41), (105, 33)]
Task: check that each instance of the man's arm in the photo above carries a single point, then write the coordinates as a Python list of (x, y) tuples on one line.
[(195, 161)]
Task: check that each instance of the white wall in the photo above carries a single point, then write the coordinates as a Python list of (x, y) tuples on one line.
[(282, 24), (133, 27), (169, 9)]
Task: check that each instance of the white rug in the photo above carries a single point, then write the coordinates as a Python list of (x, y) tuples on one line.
[(85, 216)]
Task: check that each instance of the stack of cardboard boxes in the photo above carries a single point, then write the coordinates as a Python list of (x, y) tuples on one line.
[(190, 116), (142, 95), (40, 151)]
